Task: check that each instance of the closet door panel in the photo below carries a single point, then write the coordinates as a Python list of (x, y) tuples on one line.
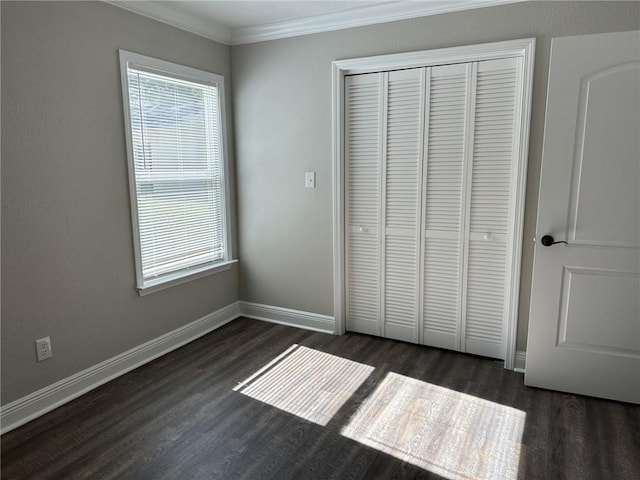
[(490, 215), (443, 197), (400, 320), (442, 298), (493, 146), (402, 203), (485, 302), (363, 116), (430, 178)]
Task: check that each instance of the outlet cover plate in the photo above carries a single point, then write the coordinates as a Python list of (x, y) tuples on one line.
[(43, 349)]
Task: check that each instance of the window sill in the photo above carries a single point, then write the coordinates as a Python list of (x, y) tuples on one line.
[(155, 285)]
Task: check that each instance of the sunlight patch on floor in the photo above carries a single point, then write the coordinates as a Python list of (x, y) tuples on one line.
[(306, 382), (451, 434)]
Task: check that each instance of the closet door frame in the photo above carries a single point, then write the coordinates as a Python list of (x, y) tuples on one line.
[(523, 48)]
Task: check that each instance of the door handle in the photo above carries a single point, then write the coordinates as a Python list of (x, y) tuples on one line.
[(548, 240)]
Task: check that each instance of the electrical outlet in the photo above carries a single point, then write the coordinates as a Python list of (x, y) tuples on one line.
[(43, 349)]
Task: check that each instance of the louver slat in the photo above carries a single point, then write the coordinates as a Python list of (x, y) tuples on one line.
[(443, 205), (363, 156), (402, 203), (491, 179)]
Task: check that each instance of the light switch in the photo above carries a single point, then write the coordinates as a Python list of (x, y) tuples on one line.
[(310, 179)]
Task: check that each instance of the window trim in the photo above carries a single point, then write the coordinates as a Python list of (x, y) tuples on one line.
[(177, 71)]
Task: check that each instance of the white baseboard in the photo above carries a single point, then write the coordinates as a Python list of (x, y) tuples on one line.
[(46, 399), (520, 360), (38, 403), (289, 317)]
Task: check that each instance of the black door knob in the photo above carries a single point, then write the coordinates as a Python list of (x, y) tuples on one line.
[(548, 240)]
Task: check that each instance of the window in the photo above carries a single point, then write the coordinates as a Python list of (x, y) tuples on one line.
[(174, 120)]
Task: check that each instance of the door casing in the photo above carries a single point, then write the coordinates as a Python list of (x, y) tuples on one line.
[(524, 48)]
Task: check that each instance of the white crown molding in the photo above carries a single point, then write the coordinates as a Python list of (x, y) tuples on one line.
[(185, 21), (356, 17)]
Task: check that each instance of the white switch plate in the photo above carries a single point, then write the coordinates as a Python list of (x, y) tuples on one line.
[(310, 179)]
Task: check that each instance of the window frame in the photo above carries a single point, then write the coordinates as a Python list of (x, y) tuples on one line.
[(173, 70)]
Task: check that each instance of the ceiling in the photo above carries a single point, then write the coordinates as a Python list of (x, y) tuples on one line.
[(241, 21), (238, 14)]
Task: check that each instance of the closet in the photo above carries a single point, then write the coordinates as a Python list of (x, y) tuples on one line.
[(431, 181)]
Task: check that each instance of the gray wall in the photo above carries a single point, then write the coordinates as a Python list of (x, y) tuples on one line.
[(282, 104), (67, 253)]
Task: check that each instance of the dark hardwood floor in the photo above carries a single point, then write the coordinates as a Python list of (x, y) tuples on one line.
[(355, 407)]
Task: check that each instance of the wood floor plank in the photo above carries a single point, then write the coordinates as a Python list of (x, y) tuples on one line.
[(181, 416)]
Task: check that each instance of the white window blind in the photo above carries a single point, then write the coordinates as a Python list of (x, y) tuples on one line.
[(177, 169)]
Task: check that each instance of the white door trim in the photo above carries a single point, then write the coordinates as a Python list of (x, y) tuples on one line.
[(523, 48)]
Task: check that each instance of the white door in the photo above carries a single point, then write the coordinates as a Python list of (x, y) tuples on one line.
[(472, 153), (584, 327), (402, 158), (432, 157), (363, 147)]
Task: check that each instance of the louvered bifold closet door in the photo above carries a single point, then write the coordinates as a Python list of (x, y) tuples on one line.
[(444, 200), (402, 167), (430, 203), (363, 169), (491, 210)]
